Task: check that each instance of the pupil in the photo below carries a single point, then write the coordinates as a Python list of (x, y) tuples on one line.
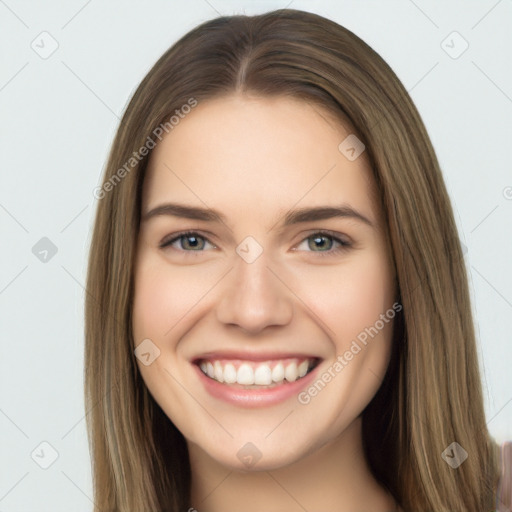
[(318, 241), (194, 241)]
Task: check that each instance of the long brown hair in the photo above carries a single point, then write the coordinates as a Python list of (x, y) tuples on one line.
[(431, 395)]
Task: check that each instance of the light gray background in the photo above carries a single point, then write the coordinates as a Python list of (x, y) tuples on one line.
[(58, 118)]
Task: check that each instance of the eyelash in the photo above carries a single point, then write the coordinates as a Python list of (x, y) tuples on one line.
[(343, 245)]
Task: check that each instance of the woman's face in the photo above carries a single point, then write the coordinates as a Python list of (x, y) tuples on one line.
[(287, 270)]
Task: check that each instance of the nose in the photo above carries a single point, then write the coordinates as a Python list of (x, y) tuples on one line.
[(254, 297)]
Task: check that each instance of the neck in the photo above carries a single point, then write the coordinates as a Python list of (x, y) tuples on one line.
[(335, 477)]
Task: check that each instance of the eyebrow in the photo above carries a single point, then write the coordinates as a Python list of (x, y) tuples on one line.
[(300, 215)]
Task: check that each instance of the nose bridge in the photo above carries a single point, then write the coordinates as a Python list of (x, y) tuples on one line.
[(254, 297)]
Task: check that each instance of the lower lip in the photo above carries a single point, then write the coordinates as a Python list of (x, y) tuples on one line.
[(254, 397)]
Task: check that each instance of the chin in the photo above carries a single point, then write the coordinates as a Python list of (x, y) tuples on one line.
[(249, 457)]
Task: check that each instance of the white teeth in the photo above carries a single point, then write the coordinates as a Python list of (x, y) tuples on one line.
[(245, 375), (278, 372), (263, 375), (250, 374), (219, 374), (229, 374), (290, 372), (303, 368)]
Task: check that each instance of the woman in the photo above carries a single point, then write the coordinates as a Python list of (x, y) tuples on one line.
[(228, 363)]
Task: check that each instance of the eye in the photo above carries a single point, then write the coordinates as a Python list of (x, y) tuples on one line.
[(319, 241), (190, 241)]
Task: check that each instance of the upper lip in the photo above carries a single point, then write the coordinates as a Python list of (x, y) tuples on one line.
[(251, 356)]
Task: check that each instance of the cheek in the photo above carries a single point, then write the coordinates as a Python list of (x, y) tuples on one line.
[(356, 300), (353, 296), (163, 296), (159, 313), (368, 296), (151, 295)]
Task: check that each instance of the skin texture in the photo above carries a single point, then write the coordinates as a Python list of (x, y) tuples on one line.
[(254, 159)]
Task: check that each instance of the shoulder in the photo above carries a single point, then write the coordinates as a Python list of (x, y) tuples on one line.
[(504, 494)]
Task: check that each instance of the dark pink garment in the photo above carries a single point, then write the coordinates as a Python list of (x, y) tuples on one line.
[(504, 495)]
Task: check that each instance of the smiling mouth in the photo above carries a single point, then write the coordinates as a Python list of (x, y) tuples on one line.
[(257, 375)]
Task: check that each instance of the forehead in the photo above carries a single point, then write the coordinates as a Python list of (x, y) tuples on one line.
[(261, 154)]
